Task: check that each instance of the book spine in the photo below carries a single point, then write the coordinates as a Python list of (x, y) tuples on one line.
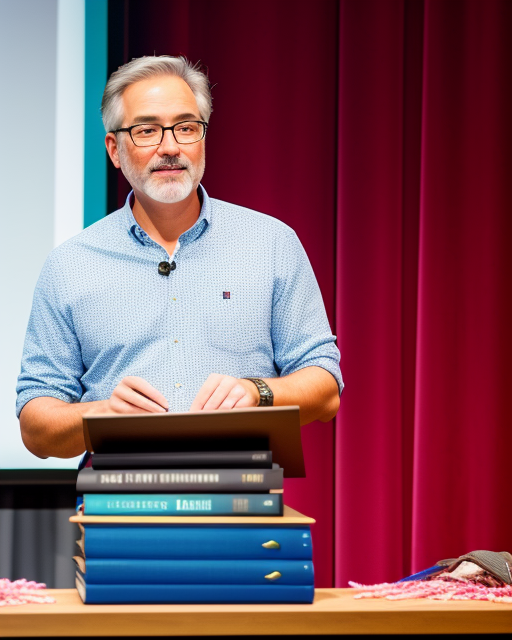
[(184, 460), (246, 542), (214, 504), (194, 594), (186, 480), (185, 571)]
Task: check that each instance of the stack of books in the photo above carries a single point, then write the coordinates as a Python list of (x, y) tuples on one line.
[(215, 483), (190, 527)]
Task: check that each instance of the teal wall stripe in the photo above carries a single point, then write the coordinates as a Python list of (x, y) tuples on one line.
[(95, 155)]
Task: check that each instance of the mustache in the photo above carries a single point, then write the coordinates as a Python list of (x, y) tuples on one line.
[(169, 162)]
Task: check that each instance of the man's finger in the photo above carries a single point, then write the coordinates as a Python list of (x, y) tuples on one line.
[(245, 401), (145, 389), (235, 395), (205, 392), (224, 388), (137, 399), (121, 406)]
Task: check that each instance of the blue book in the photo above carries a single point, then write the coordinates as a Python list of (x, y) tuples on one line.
[(195, 542), (249, 572), (186, 504), (193, 593)]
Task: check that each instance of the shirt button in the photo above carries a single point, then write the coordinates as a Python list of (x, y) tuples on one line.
[(178, 385), (175, 341), (174, 299)]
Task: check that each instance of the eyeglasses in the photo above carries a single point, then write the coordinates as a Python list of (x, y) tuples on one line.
[(151, 135)]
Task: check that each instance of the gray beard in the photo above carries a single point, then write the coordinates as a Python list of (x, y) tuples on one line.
[(168, 191)]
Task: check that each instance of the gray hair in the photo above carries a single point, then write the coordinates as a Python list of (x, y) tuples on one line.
[(148, 67)]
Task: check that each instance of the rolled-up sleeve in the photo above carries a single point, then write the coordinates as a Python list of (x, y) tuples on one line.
[(51, 362), (301, 334)]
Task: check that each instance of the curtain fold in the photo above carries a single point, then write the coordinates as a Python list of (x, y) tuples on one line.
[(369, 536)]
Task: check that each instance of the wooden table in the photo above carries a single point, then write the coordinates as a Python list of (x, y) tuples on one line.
[(334, 612)]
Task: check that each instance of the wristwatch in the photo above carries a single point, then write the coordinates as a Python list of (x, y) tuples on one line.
[(266, 395)]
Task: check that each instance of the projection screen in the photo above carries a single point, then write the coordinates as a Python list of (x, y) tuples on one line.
[(52, 67)]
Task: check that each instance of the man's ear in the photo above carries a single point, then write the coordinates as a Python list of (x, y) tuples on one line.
[(112, 150)]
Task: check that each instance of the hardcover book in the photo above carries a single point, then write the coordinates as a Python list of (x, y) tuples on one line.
[(195, 542), (226, 504), (186, 571), (179, 480), (184, 460), (192, 593)]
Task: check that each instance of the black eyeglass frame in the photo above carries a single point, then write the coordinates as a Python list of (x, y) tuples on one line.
[(164, 129)]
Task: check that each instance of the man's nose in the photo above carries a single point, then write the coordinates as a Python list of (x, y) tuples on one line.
[(169, 146)]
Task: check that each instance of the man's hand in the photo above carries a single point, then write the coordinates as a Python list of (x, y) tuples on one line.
[(135, 395), (313, 389), (52, 427), (225, 392)]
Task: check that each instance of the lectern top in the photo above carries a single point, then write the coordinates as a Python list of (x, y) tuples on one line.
[(258, 428)]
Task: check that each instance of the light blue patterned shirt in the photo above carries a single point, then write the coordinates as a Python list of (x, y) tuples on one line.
[(243, 301)]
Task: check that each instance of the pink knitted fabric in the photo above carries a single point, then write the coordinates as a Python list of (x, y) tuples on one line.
[(22, 592), (434, 590)]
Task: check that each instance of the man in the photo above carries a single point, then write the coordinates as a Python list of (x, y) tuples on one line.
[(177, 300)]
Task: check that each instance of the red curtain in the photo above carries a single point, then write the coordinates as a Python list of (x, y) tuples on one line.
[(423, 308), (379, 130)]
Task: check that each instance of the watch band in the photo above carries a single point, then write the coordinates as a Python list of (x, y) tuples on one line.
[(266, 395)]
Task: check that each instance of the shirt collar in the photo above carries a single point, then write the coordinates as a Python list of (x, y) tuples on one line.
[(189, 236)]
